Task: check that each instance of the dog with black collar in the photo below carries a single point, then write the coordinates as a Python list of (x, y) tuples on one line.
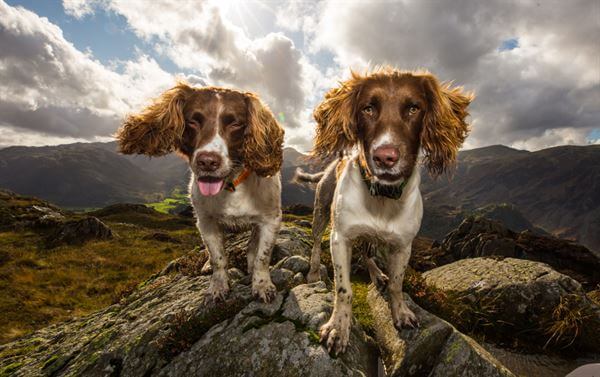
[(378, 125)]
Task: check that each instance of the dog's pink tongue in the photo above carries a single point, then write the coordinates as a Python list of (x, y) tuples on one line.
[(210, 188)]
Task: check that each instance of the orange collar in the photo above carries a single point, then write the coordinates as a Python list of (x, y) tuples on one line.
[(239, 180)]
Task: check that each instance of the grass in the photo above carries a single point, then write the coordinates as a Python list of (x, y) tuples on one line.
[(360, 306), (39, 287), (177, 199)]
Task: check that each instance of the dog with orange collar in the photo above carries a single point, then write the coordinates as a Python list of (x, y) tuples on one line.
[(233, 146)]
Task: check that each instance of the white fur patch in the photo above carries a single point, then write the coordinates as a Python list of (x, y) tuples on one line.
[(385, 139)]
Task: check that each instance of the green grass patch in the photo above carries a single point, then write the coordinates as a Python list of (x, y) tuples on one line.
[(360, 306), (177, 199)]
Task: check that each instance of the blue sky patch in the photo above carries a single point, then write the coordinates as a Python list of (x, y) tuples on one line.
[(594, 135), (509, 44)]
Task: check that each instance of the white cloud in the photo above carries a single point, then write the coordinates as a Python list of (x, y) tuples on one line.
[(553, 137), (48, 86), (530, 94), (198, 37)]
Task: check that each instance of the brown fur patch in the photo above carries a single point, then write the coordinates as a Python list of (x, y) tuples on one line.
[(340, 168), (159, 128), (263, 144)]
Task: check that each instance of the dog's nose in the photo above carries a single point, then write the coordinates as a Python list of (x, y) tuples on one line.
[(386, 156), (207, 161)]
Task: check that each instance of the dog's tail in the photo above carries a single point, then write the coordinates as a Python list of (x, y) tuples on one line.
[(301, 177)]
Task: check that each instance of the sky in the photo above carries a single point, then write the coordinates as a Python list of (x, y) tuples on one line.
[(71, 70)]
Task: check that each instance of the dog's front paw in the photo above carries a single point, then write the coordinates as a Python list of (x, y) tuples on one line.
[(404, 317), (336, 334), (219, 288), (263, 289)]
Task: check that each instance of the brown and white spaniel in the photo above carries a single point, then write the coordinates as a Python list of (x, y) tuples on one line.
[(378, 125), (233, 145)]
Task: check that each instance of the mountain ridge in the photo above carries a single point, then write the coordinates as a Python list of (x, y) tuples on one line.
[(557, 189)]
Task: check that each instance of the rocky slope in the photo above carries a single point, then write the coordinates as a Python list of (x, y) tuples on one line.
[(167, 327)]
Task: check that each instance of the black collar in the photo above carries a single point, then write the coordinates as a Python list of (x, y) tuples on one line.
[(377, 189)]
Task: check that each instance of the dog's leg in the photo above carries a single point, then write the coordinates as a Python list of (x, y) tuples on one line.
[(336, 332), (262, 286), (401, 314), (212, 236), (321, 215), (320, 221), (252, 248), (377, 276)]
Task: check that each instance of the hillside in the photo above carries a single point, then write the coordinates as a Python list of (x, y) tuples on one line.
[(557, 189), (81, 175)]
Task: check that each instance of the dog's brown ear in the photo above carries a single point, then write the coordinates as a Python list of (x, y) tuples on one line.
[(336, 120), (263, 141), (444, 124), (158, 129)]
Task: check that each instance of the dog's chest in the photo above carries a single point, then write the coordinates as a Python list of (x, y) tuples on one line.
[(357, 213)]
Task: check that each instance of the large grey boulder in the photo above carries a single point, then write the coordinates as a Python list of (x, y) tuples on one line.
[(478, 236), (513, 296), (436, 348)]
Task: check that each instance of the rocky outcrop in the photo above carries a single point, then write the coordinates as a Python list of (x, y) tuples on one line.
[(435, 348), (479, 237), (24, 212), (77, 232), (508, 298), (170, 327), (167, 328)]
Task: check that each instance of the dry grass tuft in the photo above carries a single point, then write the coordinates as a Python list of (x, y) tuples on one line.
[(567, 321)]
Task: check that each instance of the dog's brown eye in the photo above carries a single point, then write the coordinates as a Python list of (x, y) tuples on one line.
[(193, 124), (413, 109), (236, 125), (368, 110)]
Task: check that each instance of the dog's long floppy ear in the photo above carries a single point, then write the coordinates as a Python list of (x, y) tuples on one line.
[(444, 124), (263, 140), (336, 120), (158, 129)]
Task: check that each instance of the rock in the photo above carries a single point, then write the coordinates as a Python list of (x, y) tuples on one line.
[(187, 211), (161, 237), (292, 241), (296, 280), (303, 223), (310, 304), (166, 328), (436, 348), (24, 212), (77, 232), (295, 263), (298, 209), (514, 296), (282, 277), (480, 237)]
